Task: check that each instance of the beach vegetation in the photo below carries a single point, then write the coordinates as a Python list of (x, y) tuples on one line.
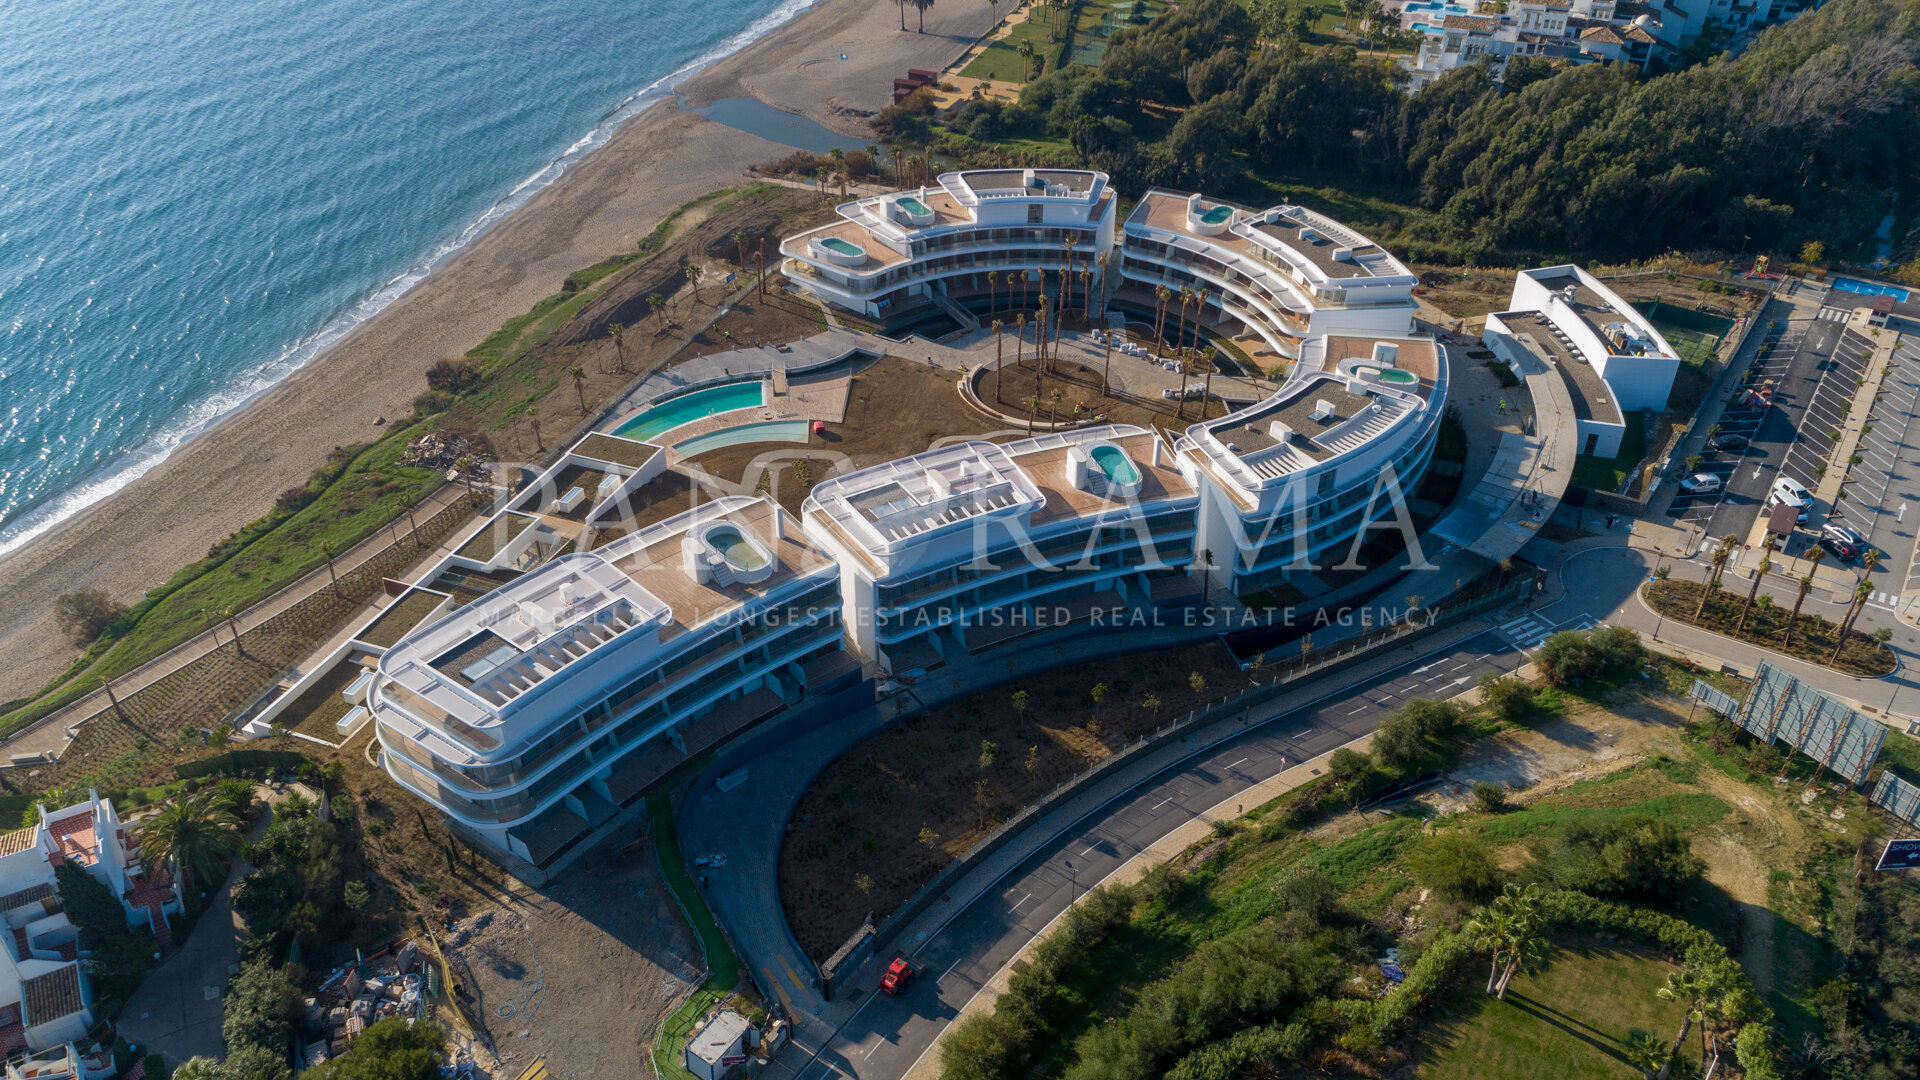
[(87, 614)]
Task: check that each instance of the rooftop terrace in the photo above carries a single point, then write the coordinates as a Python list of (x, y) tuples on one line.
[(1624, 330), (471, 666), (1536, 333)]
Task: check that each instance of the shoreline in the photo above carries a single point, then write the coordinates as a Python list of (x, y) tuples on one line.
[(229, 473)]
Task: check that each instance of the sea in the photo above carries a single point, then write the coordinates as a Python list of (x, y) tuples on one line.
[(197, 198)]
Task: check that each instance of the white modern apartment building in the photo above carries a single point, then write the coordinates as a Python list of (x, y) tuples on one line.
[(1285, 273), (1288, 483), (1614, 360), (967, 547), (896, 251), (536, 713)]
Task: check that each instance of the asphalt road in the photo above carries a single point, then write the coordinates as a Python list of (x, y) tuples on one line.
[(887, 1035)]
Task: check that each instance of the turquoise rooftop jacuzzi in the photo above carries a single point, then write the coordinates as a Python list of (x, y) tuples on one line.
[(734, 547), (1392, 375), (1216, 216), (687, 408), (841, 247), (914, 206), (836, 250), (1114, 462)]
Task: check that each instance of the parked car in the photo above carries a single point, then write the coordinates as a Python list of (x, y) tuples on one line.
[(1845, 534), (1787, 491), (1840, 549), (899, 974), (1728, 443), (1704, 483)]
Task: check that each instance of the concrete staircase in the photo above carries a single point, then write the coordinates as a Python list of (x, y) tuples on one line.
[(938, 292)]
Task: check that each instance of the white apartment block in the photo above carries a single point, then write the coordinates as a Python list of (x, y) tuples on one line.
[(970, 546), (897, 251), (541, 710), (1288, 484), (46, 1001), (1580, 31), (1613, 359), (1285, 273)]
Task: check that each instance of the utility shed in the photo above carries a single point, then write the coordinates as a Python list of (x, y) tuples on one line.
[(720, 1045)]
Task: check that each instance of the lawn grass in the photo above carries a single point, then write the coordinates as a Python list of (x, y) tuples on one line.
[(1813, 636), (1607, 474), (723, 966), (1001, 61), (1574, 1013)]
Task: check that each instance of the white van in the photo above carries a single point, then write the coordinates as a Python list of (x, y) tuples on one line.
[(1787, 491)]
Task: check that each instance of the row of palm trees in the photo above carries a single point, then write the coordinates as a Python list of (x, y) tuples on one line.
[(1723, 553)]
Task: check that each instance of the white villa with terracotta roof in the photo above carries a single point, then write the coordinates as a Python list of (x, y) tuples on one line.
[(45, 999)]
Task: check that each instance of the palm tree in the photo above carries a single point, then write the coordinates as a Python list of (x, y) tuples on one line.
[(1033, 410), (1086, 292), (894, 149), (921, 6), (1513, 931), (903, 14), (1180, 325), (1692, 991), (1647, 1052), (1861, 594), (1200, 298), (740, 238), (1024, 278), (465, 467), (659, 305), (993, 279), (1806, 586), (1720, 556), (693, 272), (1106, 365), (579, 377), (619, 333), (999, 353), (1162, 294), (1206, 392), (1026, 60), (197, 834), (1040, 340), (1186, 368), (1759, 572), (1019, 338)]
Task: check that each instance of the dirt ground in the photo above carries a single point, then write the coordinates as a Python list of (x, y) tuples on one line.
[(579, 973), (1079, 391), (897, 807), (1587, 743), (895, 408)]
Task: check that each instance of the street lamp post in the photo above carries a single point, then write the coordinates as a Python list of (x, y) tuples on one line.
[(1074, 876)]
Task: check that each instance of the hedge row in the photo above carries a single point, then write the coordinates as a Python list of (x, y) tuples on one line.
[(238, 761)]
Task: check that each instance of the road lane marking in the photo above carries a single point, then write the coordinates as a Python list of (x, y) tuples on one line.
[(1242, 761), (950, 968), (1023, 900)]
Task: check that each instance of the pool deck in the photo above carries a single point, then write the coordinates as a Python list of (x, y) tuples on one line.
[(821, 396)]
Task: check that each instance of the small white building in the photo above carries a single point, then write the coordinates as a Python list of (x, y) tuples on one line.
[(720, 1045), (1612, 358)]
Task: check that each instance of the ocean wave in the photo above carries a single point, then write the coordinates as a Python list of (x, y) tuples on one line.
[(243, 389)]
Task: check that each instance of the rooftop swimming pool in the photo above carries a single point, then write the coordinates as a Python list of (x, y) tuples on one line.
[(913, 206), (1114, 462), (687, 408), (1868, 288), (1216, 215), (1393, 375), (841, 247), (734, 548)]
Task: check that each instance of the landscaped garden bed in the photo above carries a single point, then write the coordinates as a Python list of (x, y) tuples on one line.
[(1813, 635)]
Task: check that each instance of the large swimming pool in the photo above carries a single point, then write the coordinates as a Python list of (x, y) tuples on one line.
[(1113, 461), (687, 408), (789, 431), (1868, 288)]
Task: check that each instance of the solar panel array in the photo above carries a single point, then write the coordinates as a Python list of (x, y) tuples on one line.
[(1897, 797), (1781, 707)]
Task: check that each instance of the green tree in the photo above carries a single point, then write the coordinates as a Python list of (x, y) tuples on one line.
[(1692, 991), (392, 1049), (1512, 931), (1511, 698), (1489, 797), (1647, 1052), (1813, 252), (261, 1004), (194, 833), (1348, 764), (1456, 866), (88, 904)]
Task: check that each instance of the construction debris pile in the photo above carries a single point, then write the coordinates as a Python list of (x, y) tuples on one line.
[(440, 450), (389, 983)]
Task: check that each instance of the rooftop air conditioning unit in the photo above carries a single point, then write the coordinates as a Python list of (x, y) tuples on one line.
[(1280, 432), (1385, 354), (1323, 411), (1343, 254), (1310, 234)]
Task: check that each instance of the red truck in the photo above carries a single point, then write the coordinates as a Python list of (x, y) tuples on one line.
[(899, 974)]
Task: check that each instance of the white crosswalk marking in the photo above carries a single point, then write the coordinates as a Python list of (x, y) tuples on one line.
[(1530, 631), (1834, 314)]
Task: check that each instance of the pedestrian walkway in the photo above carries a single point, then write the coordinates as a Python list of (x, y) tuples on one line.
[(1529, 632)]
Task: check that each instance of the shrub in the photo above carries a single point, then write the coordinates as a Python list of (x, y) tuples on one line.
[(1305, 890), (393, 1049), (1489, 797), (295, 498), (261, 1003), (1571, 656), (1455, 866), (1509, 697), (86, 614), (1637, 855), (453, 374), (1349, 764)]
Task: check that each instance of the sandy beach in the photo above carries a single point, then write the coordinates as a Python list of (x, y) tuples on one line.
[(229, 475)]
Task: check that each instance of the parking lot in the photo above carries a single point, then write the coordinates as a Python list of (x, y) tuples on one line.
[(1815, 368)]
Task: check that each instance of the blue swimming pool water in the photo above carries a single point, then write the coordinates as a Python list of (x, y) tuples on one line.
[(689, 407), (1217, 215), (787, 431), (1115, 464), (1868, 288)]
